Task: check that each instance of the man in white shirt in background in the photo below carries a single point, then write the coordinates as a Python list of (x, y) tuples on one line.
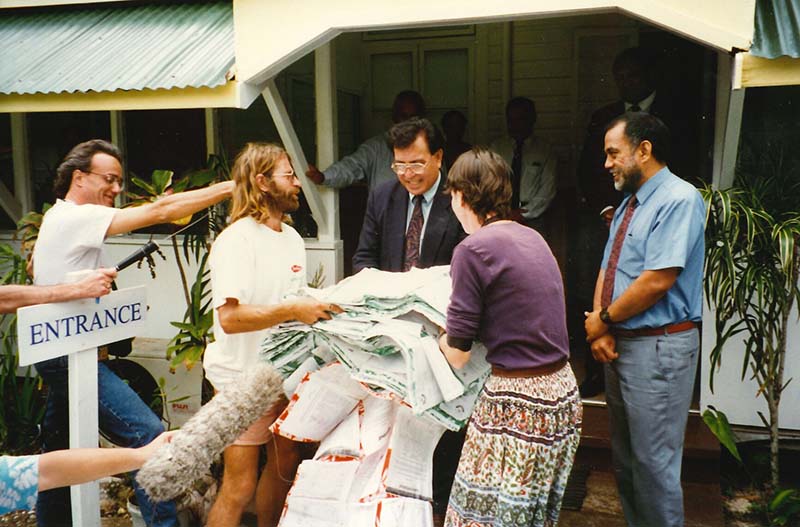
[(532, 161)]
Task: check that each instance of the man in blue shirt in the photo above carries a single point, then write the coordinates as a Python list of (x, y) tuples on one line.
[(647, 306)]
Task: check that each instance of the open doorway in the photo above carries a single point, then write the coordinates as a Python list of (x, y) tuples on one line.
[(564, 65)]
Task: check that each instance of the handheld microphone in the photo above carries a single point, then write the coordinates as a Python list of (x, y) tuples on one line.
[(148, 248)]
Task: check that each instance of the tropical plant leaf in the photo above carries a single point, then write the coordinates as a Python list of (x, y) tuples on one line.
[(162, 180), (144, 185), (717, 422)]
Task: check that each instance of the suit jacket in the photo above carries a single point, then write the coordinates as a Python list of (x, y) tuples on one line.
[(383, 233), (595, 182)]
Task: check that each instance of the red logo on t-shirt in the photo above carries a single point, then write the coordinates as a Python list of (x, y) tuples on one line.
[(297, 268)]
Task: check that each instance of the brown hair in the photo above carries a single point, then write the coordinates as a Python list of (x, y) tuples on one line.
[(248, 199), (80, 158), (483, 179)]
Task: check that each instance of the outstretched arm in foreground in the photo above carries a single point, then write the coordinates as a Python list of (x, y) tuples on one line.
[(62, 468), (13, 297)]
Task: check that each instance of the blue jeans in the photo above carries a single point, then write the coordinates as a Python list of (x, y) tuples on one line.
[(648, 391), (123, 416)]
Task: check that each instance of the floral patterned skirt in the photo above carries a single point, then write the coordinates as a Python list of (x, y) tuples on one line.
[(518, 454)]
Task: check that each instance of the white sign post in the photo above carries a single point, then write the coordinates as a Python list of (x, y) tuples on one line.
[(76, 329)]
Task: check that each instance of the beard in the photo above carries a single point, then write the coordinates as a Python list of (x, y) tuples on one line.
[(283, 201), (628, 179)]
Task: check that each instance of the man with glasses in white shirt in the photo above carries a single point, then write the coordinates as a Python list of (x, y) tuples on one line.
[(72, 238)]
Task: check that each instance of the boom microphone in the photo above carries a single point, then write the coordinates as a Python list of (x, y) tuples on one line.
[(140, 253), (176, 465)]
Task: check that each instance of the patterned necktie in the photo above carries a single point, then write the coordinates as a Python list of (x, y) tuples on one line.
[(516, 173), (613, 258), (413, 235)]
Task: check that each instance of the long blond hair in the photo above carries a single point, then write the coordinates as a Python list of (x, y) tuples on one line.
[(248, 199)]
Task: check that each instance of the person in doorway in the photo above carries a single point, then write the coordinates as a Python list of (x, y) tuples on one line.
[(532, 161), (454, 126), (371, 162), (255, 263), (644, 323), (71, 238), (634, 73), (507, 293)]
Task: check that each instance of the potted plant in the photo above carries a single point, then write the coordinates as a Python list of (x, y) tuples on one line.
[(751, 281)]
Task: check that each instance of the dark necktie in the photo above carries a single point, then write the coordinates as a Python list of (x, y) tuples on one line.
[(613, 257), (516, 173), (413, 235), (635, 108)]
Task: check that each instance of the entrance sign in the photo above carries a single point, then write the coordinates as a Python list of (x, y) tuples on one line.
[(76, 329), (48, 331)]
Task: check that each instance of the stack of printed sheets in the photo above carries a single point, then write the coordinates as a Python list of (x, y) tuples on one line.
[(387, 340)]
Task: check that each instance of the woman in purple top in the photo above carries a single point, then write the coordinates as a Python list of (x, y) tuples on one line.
[(508, 293)]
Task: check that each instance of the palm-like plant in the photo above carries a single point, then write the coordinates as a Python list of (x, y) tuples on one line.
[(195, 330), (751, 273)]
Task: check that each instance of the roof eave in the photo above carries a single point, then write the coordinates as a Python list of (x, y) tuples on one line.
[(233, 94), (754, 72)]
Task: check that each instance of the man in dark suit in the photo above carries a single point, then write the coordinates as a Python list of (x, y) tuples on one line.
[(409, 222), (634, 72)]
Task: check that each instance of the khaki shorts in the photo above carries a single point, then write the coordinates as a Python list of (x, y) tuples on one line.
[(259, 432)]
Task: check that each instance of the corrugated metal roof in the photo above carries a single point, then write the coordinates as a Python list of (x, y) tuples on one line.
[(777, 29), (52, 50)]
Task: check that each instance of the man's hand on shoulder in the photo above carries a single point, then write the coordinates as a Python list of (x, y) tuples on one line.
[(308, 310)]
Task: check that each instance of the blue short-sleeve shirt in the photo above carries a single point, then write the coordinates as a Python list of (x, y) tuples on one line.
[(666, 230)]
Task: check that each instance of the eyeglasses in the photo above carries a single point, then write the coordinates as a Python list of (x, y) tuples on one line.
[(290, 175), (416, 168), (110, 179)]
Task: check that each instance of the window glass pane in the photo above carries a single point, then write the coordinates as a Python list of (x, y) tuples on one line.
[(391, 73), (445, 78), (51, 136), (164, 140), (238, 127)]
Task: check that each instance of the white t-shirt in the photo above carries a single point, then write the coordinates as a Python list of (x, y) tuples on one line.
[(255, 265), (70, 239)]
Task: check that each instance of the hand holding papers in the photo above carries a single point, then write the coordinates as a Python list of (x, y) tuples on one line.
[(386, 339), (385, 402)]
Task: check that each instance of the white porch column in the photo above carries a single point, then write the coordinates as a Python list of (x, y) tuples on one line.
[(326, 251), (212, 132), (728, 122), (117, 123), (21, 200), (327, 152)]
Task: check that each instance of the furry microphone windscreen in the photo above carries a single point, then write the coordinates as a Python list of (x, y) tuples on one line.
[(176, 465)]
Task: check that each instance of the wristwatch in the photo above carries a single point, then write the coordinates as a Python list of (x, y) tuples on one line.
[(605, 317)]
